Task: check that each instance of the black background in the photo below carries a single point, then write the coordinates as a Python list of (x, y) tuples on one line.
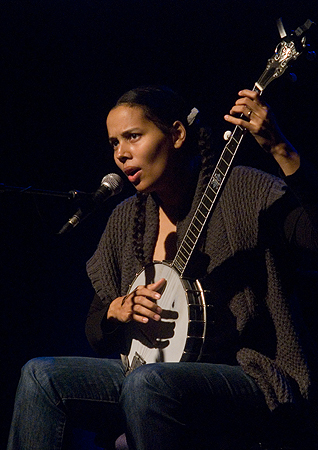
[(64, 63)]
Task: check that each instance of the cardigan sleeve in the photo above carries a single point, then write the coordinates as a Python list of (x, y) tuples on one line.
[(105, 337), (105, 272)]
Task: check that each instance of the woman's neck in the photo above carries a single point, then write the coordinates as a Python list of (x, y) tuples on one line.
[(176, 201)]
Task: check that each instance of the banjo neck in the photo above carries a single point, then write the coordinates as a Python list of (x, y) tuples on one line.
[(288, 49)]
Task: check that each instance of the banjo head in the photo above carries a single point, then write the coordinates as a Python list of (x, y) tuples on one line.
[(182, 325)]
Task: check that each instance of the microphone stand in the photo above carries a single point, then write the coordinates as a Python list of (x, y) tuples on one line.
[(71, 195)]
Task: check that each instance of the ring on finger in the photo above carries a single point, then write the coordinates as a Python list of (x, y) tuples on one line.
[(134, 293), (250, 112)]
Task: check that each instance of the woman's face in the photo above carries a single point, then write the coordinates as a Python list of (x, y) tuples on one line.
[(141, 150)]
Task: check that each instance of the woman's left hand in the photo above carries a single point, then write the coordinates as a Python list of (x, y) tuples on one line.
[(258, 119)]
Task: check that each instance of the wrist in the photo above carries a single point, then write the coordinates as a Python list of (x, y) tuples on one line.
[(112, 311), (286, 156)]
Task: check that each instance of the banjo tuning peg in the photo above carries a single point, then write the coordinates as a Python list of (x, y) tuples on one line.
[(227, 135)]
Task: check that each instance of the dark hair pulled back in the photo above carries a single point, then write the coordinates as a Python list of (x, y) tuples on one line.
[(160, 104)]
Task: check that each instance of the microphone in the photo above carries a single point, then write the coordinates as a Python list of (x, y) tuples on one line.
[(111, 185)]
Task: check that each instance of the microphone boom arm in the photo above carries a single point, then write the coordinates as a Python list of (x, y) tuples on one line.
[(74, 194)]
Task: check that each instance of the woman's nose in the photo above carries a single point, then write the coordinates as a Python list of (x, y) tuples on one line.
[(122, 152)]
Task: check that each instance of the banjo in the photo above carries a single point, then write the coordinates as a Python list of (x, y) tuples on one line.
[(180, 334)]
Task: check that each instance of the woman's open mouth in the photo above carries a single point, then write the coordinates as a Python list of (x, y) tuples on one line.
[(132, 173)]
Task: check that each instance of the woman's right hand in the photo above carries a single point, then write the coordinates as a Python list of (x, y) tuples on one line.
[(261, 123), (140, 305)]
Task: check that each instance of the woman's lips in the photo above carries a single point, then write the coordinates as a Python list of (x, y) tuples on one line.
[(133, 174)]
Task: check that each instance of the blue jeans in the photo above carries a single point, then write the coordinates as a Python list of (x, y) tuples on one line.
[(164, 406)]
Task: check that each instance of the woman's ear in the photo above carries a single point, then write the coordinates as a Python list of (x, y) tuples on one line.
[(179, 134)]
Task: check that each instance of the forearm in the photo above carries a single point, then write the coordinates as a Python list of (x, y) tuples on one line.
[(105, 336), (286, 157), (259, 120)]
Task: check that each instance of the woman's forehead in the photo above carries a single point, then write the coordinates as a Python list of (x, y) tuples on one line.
[(124, 117)]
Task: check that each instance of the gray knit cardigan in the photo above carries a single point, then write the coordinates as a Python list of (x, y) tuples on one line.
[(247, 258)]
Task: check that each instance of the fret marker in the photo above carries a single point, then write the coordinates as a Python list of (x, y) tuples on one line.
[(216, 181)]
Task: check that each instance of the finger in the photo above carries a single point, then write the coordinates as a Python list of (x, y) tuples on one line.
[(242, 122), (142, 303), (253, 95), (255, 114), (140, 319), (245, 105), (143, 314), (138, 308), (251, 99), (144, 309), (241, 109), (153, 290), (157, 285)]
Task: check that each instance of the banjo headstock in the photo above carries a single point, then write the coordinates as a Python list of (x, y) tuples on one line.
[(287, 51)]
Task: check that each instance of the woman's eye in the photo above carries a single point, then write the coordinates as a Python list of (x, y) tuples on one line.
[(134, 136), (114, 144)]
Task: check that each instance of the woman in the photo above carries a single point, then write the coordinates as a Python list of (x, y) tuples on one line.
[(254, 363)]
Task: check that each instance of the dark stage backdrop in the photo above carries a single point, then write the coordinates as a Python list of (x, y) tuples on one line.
[(64, 62)]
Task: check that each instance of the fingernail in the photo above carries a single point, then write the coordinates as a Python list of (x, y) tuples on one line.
[(159, 310), (156, 317), (157, 295), (145, 319)]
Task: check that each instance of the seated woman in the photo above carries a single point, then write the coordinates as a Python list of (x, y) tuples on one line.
[(251, 369)]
